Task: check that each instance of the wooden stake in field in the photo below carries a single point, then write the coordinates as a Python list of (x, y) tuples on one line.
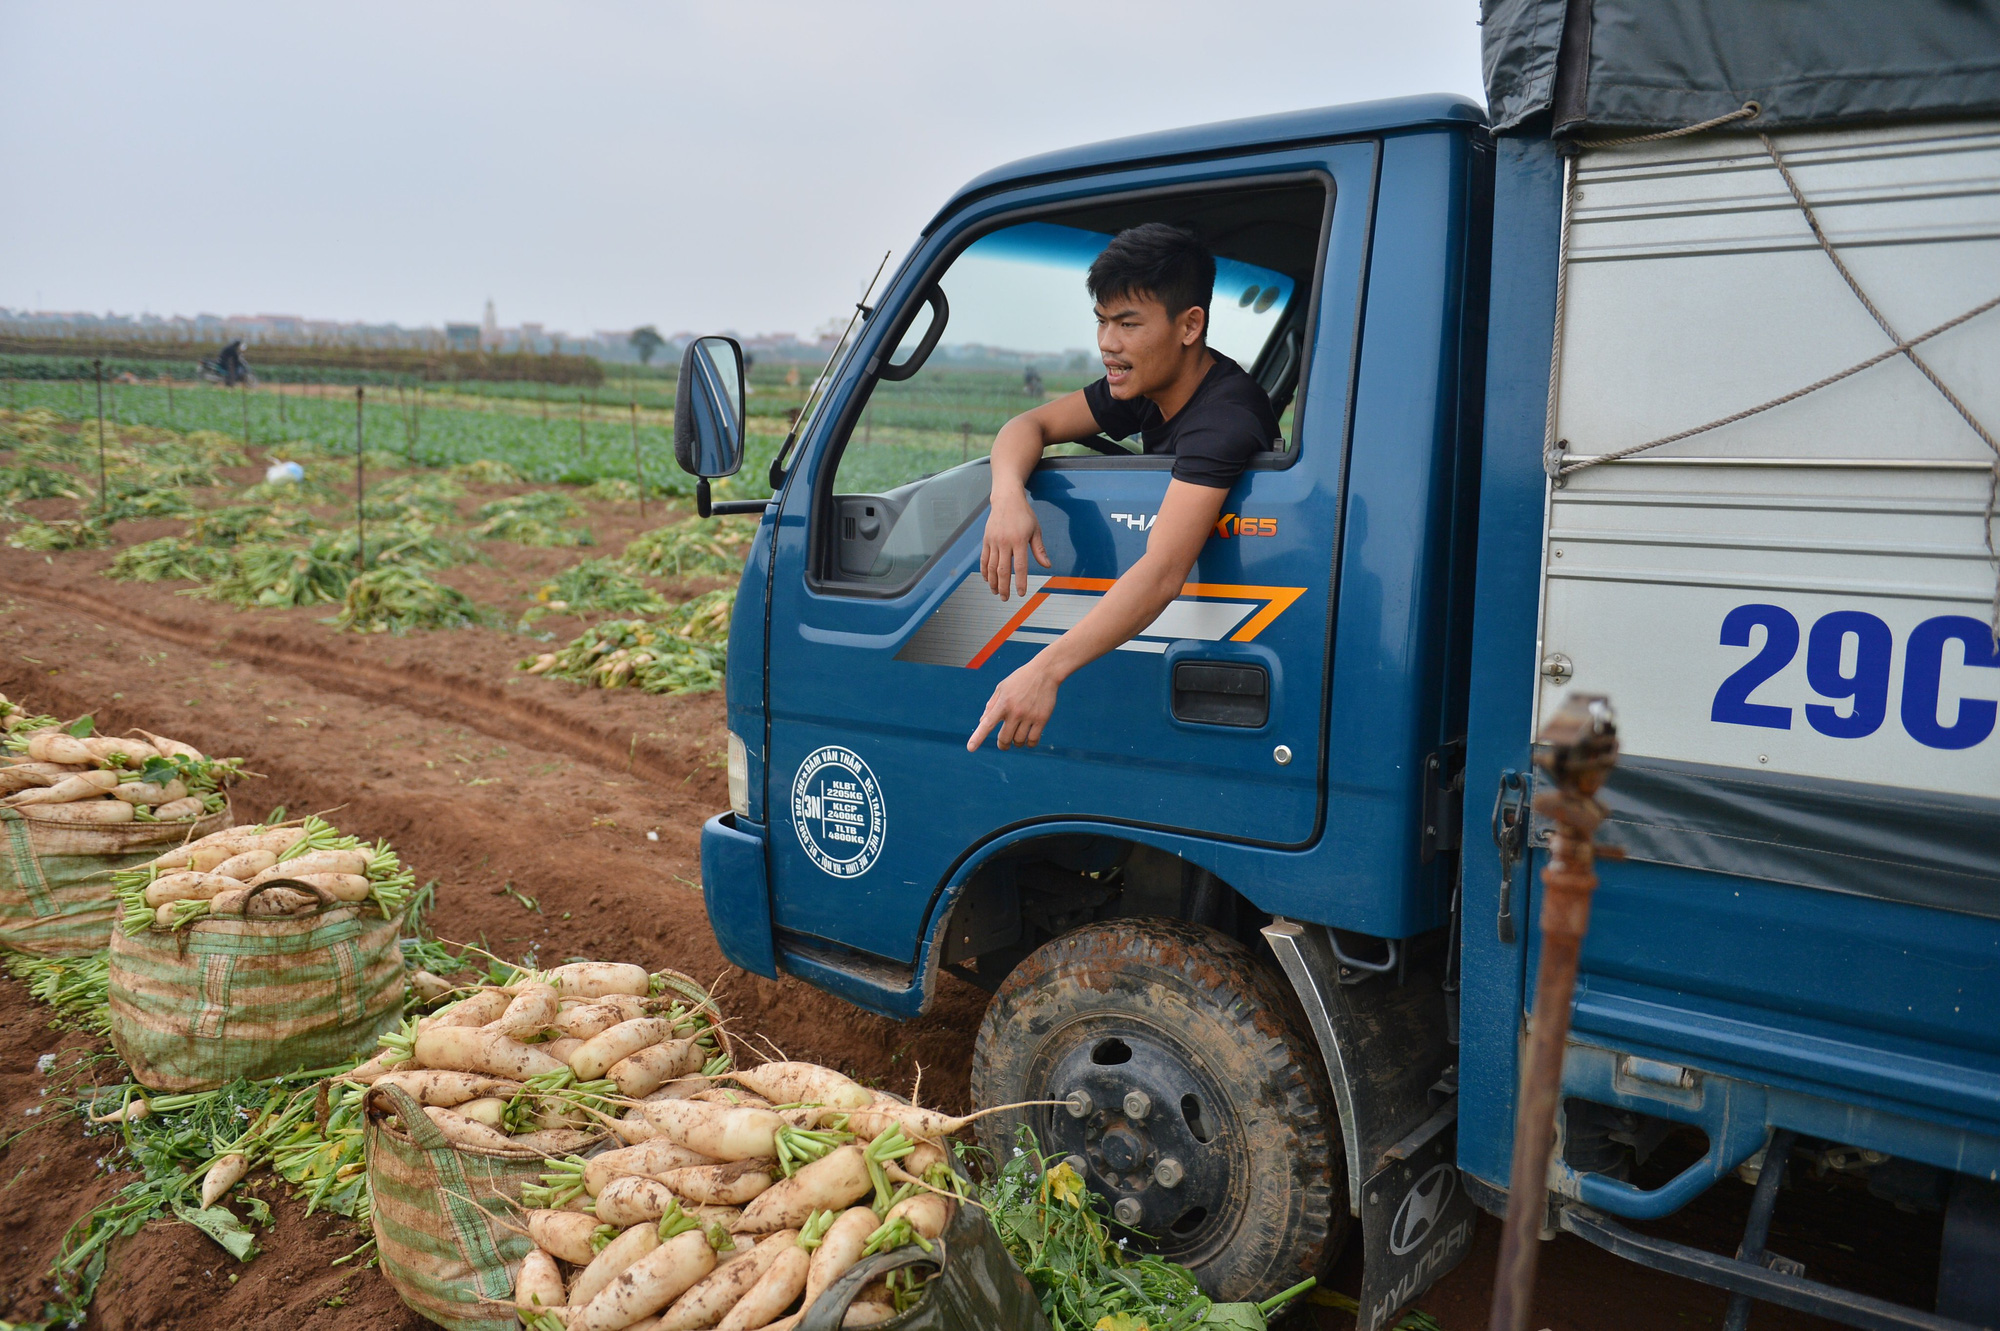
[(168, 380), (638, 467), (244, 390), (360, 508), (1577, 748), (103, 491), (582, 450)]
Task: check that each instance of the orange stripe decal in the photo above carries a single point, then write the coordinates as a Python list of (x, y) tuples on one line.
[(1277, 599), (1028, 607)]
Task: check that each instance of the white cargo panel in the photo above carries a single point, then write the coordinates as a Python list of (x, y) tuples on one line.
[(1797, 592)]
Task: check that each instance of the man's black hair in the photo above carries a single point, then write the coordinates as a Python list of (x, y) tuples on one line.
[(1154, 259)]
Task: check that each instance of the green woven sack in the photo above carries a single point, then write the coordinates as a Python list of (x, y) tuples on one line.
[(446, 1217), (55, 878), (233, 997)]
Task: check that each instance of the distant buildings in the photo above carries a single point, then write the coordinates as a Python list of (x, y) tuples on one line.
[(613, 345)]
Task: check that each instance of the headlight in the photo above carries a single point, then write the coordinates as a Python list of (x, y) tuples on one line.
[(739, 776)]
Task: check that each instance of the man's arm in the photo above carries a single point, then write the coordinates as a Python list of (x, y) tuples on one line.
[(1011, 529), (1021, 705)]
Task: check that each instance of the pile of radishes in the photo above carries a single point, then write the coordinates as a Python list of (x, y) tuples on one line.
[(226, 872), (737, 1195), (54, 774)]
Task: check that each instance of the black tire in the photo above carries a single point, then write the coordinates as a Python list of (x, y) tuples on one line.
[(1236, 1096)]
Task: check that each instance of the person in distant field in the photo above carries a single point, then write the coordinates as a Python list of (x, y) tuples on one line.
[(1151, 287)]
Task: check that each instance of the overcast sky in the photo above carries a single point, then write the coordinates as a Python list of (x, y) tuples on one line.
[(738, 164)]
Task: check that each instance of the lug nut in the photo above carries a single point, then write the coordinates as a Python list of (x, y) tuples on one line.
[(1168, 1173), (1079, 1104), (1126, 1211), (1138, 1104), (1076, 1163)]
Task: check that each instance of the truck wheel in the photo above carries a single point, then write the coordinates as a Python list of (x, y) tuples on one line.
[(1192, 1101)]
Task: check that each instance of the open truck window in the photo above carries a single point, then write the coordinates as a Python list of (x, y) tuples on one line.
[(1007, 324)]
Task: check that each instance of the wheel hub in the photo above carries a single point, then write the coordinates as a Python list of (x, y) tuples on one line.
[(1149, 1136)]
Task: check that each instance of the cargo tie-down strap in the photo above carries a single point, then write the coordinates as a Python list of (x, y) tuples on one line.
[(1554, 450)]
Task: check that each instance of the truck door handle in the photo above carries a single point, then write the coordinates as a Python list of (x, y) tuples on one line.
[(1212, 693)]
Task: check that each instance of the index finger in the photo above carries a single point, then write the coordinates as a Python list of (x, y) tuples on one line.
[(987, 721)]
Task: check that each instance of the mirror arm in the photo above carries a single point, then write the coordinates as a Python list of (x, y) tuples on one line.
[(706, 507)]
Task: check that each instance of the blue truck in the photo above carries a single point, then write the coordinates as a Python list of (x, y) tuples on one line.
[(1664, 377)]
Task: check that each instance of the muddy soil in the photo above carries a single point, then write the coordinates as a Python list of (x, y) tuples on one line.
[(588, 804)]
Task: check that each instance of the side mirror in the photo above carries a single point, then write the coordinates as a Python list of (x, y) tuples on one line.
[(708, 411)]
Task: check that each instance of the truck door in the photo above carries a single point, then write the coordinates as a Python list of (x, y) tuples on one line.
[(885, 643)]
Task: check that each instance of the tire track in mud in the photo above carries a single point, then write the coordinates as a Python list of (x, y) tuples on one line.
[(473, 703)]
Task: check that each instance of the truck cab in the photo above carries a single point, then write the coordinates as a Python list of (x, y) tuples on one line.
[(1257, 914)]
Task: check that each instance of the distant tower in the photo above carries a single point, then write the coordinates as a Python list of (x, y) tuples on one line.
[(489, 328)]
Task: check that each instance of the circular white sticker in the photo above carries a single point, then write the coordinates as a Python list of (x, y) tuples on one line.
[(837, 809)]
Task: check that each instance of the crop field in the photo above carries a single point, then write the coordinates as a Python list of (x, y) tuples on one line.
[(509, 674)]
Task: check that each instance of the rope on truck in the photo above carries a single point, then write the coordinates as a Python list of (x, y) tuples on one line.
[(1554, 450)]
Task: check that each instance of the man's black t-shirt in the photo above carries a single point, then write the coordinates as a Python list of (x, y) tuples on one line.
[(1211, 438)]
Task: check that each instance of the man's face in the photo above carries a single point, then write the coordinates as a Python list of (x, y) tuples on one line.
[(1142, 348)]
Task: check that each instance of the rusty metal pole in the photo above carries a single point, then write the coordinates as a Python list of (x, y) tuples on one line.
[(1577, 749)]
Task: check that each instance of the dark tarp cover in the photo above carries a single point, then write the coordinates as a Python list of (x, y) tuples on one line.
[(1920, 847), (1662, 64)]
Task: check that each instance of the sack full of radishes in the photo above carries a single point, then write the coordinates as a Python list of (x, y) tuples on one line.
[(75, 806), (256, 952)]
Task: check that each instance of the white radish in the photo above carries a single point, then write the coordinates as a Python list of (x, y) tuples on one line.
[(633, 1129), (555, 1141), (340, 886), (611, 1262), (163, 917), (540, 1284), (150, 792), (867, 1312), (470, 1049), (174, 811), (566, 1234), (476, 1010), (833, 1182), (96, 812), (709, 1301), (879, 1118), (231, 840), (106, 747), (584, 1020), (318, 861), (632, 1199), (600, 1051), (246, 865), (172, 748), (793, 1083), (463, 1132), (653, 1157), (927, 1213), (648, 1285), (733, 1184), (445, 1088), (52, 746), (681, 1088), (839, 1249), (223, 1175), (720, 1132), (186, 886), (430, 988), (529, 1013), (560, 1048), (595, 979), (643, 1073), (489, 1109), (82, 786), (774, 1291)]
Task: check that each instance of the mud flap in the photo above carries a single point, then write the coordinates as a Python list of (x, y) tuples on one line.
[(1416, 1224)]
